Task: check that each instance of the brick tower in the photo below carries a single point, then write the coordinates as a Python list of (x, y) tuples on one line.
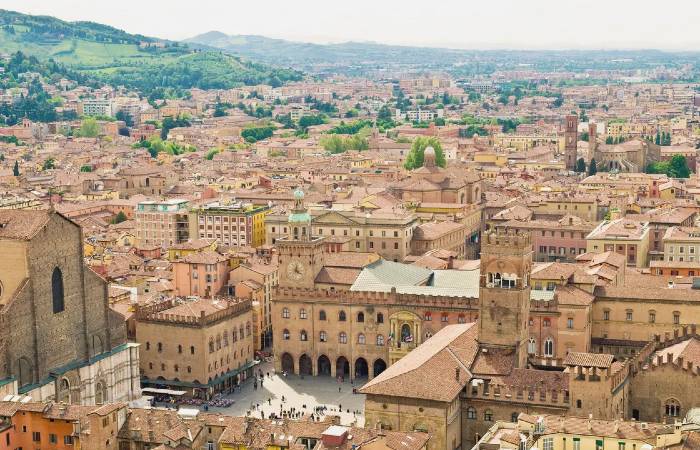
[(504, 293), (571, 141)]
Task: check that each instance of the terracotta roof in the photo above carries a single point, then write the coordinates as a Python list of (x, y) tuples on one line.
[(206, 257), (337, 275), (599, 360), (604, 428), (21, 224), (688, 349), (437, 360)]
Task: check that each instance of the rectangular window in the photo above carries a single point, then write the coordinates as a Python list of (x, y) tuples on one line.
[(36, 436), (53, 439), (577, 444), (548, 443)]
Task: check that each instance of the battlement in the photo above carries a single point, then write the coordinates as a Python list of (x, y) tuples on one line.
[(496, 241), (534, 395), (155, 313), (644, 359), (372, 298)]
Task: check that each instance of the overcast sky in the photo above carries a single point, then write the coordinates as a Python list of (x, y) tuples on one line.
[(552, 24)]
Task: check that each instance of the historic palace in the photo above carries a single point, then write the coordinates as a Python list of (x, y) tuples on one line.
[(453, 351)]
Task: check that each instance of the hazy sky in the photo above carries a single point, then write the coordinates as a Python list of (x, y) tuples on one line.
[(662, 24)]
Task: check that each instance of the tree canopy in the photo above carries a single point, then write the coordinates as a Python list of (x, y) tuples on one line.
[(415, 157)]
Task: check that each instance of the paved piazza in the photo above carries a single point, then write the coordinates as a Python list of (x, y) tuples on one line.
[(297, 392)]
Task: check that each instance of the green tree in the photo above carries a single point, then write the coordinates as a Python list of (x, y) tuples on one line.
[(89, 128), (50, 163), (85, 168), (592, 169), (211, 153), (15, 169), (119, 218), (125, 117), (678, 167), (609, 140), (584, 136), (657, 140), (415, 157), (580, 165)]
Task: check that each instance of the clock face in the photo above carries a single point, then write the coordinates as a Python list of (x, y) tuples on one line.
[(295, 270)]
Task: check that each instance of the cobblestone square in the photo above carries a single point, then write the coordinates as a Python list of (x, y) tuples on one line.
[(298, 392)]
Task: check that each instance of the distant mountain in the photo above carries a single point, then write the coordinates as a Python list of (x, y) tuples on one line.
[(301, 53), (359, 57), (120, 58)]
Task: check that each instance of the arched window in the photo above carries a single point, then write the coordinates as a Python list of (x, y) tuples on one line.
[(234, 335), (179, 348), (285, 313), (579, 404), (546, 323), (461, 319), (673, 408), (211, 345), (343, 338), (148, 345), (380, 318), (531, 346), (428, 316), (160, 347), (323, 336), (192, 350), (302, 313), (341, 316), (321, 315), (360, 316), (303, 336), (380, 340), (514, 417), (57, 291), (361, 339), (247, 329), (285, 334), (488, 415), (548, 347), (225, 338), (471, 413)]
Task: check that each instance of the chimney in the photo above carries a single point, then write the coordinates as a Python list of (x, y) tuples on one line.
[(457, 373)]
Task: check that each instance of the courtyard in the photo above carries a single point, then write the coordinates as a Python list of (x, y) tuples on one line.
[(304, 394)]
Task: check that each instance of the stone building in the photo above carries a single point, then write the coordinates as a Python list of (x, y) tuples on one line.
[(433, 184), (204, 346), (59, 340)]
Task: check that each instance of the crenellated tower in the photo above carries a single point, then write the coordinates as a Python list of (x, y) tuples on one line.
[(504, 293)]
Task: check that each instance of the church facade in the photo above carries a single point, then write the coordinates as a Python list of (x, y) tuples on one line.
[(59, 340)]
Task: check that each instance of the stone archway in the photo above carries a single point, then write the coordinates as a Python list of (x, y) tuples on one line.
[(361, 368), (287, 363), (324, 365), (379, 367), (342, 367), (305, 365)]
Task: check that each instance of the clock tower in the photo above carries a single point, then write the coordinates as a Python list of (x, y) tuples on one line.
[(300, 253)]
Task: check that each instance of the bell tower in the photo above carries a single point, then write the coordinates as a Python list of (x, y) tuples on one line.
[(504, 292), (571, 141), (301, 255)]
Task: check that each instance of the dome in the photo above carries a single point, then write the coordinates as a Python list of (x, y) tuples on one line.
[(429, 157), (298, 194)]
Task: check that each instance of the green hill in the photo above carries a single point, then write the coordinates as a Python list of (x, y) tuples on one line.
[(117, 57)]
